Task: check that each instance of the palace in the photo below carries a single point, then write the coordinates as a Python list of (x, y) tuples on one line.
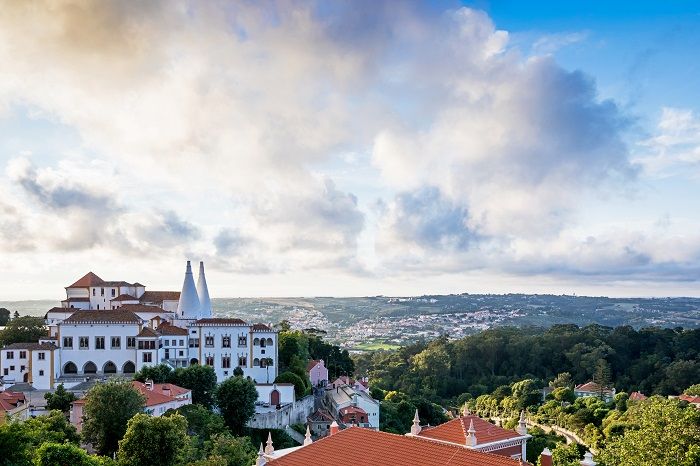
[(116, 328)]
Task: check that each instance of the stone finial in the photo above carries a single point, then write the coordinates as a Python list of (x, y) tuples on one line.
[(588, 459), (522, 425), (261, 457), (269, 449), (415, 428), (307, 437), (465, 411), (471, 434)]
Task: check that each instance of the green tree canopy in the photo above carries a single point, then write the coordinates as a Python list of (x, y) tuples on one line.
[(658, 431), (200, 379), (236, 451), (236, 398), (66, 454), (60, 399), (25, 329), (19, 440), (155, 441), (108, 408), (693, 390), (4, 316), (290, 377), (201, 422), (562, 380), (159, 373)]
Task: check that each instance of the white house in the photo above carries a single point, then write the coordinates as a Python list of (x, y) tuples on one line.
[(117, 327), (345, 396)]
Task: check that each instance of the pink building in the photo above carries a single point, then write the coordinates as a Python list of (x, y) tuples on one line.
[(318, 373)]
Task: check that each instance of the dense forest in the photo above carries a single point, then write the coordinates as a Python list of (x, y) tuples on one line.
[(651, 360)]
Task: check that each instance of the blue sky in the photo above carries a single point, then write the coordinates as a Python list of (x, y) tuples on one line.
[(352, 148)]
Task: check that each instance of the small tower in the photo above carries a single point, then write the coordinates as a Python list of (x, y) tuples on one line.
[(415, 428), (471, 435), (188, 306), (269, 449), (522, 426), (203, 293), (546, 457), (307, 437)]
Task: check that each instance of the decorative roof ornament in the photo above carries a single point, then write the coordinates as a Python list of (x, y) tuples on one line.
[(203, 293), (466, 411), (307, 437), (471, 434), (261, 457), (588, 460), (415, 428), (188, 306), (269, 449), (522, 425)]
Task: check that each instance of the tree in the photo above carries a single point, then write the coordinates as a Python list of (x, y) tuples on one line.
[(25, 329), (602, 376), (236, 399), (201, 422), (4, 316), (158, 374), (658, 431), (200, 379), (562, 380), (564, 394), (156, 441), (19, 440), (567, 455), (66, 454), (59, 400), (237, 451), (291, 377), (693, 390), (108, 408)]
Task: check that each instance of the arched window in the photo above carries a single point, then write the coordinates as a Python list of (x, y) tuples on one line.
[(70, 368), (256, 362), (129, 367), (89, 368), (269, 342), (109, 368), (256, 342), (194, 361)]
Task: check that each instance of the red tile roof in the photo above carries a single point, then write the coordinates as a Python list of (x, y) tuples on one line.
[(690, 398), (219, 321), (124, 297), (147, 332), (89, 279), (168, 329), (30, 346), (76, 300), (103, 316), (10, 400), (320, 415), (312, 364), (159, 296), (368, 447), (261, 328), (141, 308), (637, 396), (352, 410), (157, 396), (590, 387), (455, 431)]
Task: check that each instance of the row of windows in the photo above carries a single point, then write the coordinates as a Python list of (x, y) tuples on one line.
[(23, 355), (225, 341), (226, 361), (115, 342), (6, 371), (102, 292), (173, 343)]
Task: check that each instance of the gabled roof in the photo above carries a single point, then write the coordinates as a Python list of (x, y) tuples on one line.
[(455, 431), (320, 415), (637, 396), (368, 447), (590, 387), (352, 410), (123, 297), (690, 398), (157, 396), (10, 400), (147, 332), (261, 328), (220, 321), (89, 279), (159, 296), (116, 283), (168, 329), (109, 316), (312, 364), (141, 308)]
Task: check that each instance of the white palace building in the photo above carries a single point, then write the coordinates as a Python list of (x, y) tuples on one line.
[(115, 328)]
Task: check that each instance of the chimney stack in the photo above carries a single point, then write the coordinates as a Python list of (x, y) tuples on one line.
[(334, 428), (203, 293), (188, 307), (149, 384), (546, 457), (471, 437), (522, 426)]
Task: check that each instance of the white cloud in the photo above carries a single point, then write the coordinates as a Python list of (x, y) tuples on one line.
[(675, 146)]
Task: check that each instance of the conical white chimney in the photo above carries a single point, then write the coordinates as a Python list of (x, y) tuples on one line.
[(188, 306), (203, 293)]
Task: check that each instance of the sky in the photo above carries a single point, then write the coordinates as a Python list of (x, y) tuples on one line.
[(351, 148)]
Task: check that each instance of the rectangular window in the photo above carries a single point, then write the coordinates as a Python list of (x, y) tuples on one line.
[(182, 353), (131, 342), (151, 344), (194, 342), (182, 342), (68, 342), (114, 292), (41, 373), (102, 291), (141, 344), (93, 291), (225, 342), (209, 341), (23, 355), (99, 342), (84, 342), (242, 341), (166, 342), (147, 357), (209, 360), (6, 371), (173, 342), (167, 354), (242, 361), (116, 342), (10, 355), (226, 362), (98, 307), (41, 356), (12, 368)]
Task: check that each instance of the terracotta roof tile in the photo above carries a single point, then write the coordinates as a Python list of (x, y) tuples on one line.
[(76, 300), (89, 279), (124, 297), (261, 328), (455, 431), (168, 329), (107, 315), (159, 296), (690, 398), (219, 321), (320, 415), (156, 396), (31, 346), (147, 332), (312, 364), (637, 396), (141, 308), (384, 449), (590, 387)]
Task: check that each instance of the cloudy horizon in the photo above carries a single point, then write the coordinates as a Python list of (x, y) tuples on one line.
[(350, 148)]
